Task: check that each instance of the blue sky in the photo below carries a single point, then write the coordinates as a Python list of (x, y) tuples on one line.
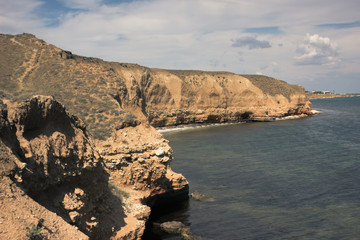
[(311, 43)]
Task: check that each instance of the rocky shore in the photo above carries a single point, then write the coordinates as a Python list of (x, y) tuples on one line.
[(80, 155)]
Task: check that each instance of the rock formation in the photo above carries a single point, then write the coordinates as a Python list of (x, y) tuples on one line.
[(99, 164)]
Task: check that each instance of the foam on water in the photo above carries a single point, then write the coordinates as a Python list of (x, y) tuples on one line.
[(192, 127)]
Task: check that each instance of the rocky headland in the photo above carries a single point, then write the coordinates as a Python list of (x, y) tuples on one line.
[(80, 155)]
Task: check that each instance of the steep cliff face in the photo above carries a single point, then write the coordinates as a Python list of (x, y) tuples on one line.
[(53, 161), (46, 153), (103, 186), (180, 97)]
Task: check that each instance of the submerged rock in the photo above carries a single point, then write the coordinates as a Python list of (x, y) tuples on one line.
[(176, 227), (190, 236), (173, 227), (201, 197)]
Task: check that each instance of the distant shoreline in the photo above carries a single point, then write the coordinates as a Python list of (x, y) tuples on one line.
[(320, 96)]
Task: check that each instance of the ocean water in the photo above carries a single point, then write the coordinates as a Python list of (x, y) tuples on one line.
[(292, 179)]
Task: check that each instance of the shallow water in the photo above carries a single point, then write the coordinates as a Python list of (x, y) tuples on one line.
[(293, 179)]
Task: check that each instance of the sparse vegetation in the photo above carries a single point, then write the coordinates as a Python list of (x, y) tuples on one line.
[(130, 117), (34, 233), (121, 195), (273, 86), (118, 192)]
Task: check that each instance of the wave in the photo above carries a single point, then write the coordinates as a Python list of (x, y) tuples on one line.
[(192, 126)]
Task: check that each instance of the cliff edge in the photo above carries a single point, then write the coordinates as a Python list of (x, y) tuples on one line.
[(93, 169)]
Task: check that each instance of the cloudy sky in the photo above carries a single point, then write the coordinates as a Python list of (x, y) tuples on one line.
[(314, 43)]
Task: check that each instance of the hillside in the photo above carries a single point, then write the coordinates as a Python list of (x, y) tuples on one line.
[(105, 94), (105, 113)]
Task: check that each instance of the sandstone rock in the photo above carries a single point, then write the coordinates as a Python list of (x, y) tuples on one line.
[(160, 153), (49, 160), (74, 216)]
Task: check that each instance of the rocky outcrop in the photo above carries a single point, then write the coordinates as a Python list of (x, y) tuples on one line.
[(138, 161), (52, 144), (100, 163), (48, 155), (55, 162), (140, 157)]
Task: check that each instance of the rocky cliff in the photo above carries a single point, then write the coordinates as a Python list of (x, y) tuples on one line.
[(49, 162), (99, 163), (208, 97)]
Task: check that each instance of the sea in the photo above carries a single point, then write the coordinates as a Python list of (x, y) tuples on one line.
[(289, 179)]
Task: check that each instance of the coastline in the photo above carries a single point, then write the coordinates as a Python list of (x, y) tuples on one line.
[(324, 96), (192, 126)]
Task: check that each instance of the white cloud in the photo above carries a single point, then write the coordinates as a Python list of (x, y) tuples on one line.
[(317, 50), (17, 16)]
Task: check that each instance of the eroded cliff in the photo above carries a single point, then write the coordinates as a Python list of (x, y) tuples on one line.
[(208, 97), (100, 170), (48, 156)]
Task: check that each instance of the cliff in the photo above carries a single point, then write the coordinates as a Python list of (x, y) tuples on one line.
[(207, 97), (48, 162), (99, 163)]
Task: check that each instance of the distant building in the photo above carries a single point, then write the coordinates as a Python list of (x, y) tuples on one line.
[(319, 92)]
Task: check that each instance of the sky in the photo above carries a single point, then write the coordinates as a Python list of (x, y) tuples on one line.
[(314, 43)]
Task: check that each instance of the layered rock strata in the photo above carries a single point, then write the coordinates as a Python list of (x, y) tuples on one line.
[(213, 97), (101, 170)]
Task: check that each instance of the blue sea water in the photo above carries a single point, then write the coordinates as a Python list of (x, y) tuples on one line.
[(292, 179)]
